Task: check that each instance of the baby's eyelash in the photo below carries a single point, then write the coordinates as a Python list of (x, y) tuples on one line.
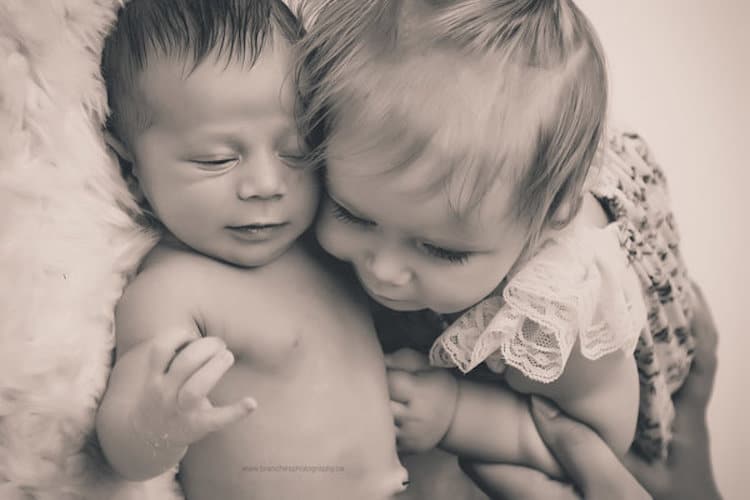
[(347, 217), (452, 256), (215, 163)]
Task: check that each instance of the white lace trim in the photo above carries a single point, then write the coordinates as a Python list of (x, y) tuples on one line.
[(577, 286)]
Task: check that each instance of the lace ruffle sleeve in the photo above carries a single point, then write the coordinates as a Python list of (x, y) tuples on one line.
[(577, 289)]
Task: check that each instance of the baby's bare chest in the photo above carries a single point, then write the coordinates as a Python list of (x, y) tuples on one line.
[(271, 321)]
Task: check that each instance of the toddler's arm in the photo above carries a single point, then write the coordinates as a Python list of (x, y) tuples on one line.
[(596, 472), (492, 424), (155, 404)]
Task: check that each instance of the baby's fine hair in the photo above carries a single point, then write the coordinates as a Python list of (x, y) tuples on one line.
[(236, 30), (502, 90)]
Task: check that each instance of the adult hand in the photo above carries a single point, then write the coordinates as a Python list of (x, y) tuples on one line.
[(687, 473)]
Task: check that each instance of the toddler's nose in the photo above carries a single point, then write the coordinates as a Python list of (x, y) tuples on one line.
[(388, 269)]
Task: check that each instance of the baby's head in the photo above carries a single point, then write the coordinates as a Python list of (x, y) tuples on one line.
[(456, 133), (203, 114)]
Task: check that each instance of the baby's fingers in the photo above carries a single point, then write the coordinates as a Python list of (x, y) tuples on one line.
[(217, 418), (193, 356), (199, 384), (164, 348)]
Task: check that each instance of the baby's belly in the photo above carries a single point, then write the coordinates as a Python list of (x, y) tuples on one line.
[(322, 429)]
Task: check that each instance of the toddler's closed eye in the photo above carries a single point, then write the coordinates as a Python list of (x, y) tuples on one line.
[(452, 256)]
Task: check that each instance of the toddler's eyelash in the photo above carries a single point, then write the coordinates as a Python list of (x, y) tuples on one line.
[(347, 217), (449, 255), (295, 160)]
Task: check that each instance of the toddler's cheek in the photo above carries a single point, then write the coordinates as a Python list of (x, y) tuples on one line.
[(333, 239)]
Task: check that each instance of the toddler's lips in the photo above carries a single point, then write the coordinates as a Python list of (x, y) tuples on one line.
[(385, 298)]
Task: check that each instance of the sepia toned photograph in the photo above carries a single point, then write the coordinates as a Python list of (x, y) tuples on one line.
[(373, 249)]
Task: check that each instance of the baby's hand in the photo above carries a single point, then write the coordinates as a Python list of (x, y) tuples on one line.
[(423, 400), (173, 407)]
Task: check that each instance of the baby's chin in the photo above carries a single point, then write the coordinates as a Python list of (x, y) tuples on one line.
[(257, 258)]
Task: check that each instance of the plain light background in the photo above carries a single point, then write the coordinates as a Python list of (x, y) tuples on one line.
[(680, 73)]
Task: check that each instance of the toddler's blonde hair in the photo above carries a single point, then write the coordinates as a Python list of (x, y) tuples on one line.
[(502, 90)]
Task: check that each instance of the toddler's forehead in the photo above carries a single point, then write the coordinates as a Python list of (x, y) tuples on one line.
[(416, 170)]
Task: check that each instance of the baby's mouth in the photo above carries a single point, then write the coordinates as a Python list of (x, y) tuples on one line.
[(259, 229)]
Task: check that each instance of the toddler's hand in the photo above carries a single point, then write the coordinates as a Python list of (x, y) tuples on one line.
[(173, 408), (423, 400)]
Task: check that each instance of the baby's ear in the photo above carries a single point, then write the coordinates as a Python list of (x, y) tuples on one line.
[(126, 167), (118, 146)]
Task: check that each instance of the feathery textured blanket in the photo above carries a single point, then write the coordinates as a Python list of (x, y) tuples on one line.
[(67, 245)]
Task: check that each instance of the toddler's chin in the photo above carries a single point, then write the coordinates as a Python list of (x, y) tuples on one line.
[(396, 305)]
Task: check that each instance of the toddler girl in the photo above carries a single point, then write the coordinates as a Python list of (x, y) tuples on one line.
[(464, 185), (203, 114)]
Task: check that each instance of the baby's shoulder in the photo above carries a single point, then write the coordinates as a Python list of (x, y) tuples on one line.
[(168, 292), (167, 269)]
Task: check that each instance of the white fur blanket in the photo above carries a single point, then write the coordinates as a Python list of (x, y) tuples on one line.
[(67, 245)]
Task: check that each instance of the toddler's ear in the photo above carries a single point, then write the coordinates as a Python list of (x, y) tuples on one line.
[(566, 211), (118, 146)]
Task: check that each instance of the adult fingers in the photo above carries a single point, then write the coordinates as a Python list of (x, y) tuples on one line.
[(654, 476), (199, 384), (407, 359), (587, 460), (400, 385), (193, 356), (703, 319), (505, 481), (699, 384)]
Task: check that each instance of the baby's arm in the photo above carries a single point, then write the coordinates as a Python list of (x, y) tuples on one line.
[(155, 404), (494, 425)]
